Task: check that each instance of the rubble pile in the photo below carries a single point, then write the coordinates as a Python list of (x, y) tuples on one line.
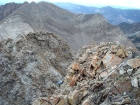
[(105, 74), (30, 67)]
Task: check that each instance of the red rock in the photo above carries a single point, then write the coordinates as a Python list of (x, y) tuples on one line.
[(75, 66), (134, 63), (73, 81), (122, 86)]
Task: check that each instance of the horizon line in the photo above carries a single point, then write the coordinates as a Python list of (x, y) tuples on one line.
[(97, 6)]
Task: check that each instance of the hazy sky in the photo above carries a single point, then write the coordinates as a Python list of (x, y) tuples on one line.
[(121, 3)]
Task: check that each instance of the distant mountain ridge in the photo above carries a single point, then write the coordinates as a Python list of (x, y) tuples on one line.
[(113, 15), (77, 29), (130, 29)]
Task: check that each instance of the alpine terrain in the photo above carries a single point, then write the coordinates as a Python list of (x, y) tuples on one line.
[(76, 29), (50, 56)]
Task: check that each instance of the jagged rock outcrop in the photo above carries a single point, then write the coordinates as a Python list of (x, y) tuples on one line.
[(105, 74), (30, 67)]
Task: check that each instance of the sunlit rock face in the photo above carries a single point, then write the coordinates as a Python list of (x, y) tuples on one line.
[(105, 74)]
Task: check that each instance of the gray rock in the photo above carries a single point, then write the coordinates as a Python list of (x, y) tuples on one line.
[(31, 67), (129, 71), (137, 74), (122, 71), (134, 82)]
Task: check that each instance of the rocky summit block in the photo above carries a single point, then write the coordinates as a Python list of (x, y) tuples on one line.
[(31, 66), (105, 74)]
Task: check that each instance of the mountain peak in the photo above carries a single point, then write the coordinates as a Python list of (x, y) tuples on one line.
[(7, 9), (76, 29)]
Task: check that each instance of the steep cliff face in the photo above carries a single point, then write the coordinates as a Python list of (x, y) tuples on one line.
[(105, 74), (31, 66)]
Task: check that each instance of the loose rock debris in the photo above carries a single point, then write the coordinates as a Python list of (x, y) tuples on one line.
[(105, 74)]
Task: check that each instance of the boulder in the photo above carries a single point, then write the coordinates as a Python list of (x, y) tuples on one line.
[(134, 63)]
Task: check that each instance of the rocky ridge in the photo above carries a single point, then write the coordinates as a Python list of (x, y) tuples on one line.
[(7, 9), (31, 66), (105, 74)]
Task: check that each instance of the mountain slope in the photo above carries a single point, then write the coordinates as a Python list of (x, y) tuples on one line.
[(136, 40), (132, 31), (113, 15), (76, 29), (7, 9)]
